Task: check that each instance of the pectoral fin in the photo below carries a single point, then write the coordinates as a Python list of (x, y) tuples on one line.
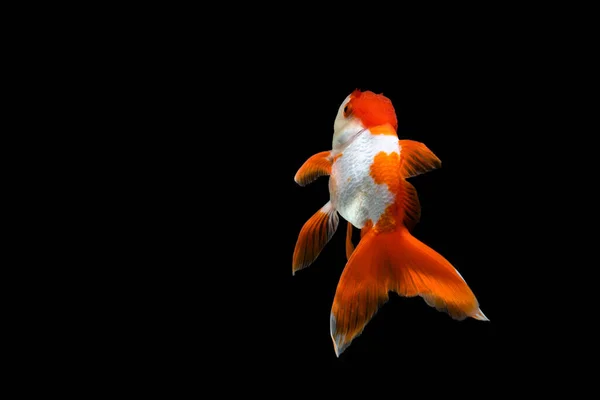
[(313, 168), (416, 158)]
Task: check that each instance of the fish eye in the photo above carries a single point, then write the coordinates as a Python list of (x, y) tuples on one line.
[(347, 110)]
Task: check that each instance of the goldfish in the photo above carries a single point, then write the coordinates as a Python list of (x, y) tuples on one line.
[(368, 167)]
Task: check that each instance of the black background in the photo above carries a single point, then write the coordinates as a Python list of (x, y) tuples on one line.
[(200, 119), (233, 127), (236, 180)]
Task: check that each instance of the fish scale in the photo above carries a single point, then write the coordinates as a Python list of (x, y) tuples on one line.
[(353, 191)]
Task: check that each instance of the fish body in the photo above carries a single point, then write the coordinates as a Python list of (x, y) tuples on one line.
[(367, 167), (358, 185)]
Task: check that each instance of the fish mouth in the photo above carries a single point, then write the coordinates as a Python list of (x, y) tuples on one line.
[(351, 139)]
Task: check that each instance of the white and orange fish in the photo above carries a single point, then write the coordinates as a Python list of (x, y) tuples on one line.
[(367, 168)]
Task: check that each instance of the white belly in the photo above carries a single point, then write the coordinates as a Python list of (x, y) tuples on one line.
[(354, 193)]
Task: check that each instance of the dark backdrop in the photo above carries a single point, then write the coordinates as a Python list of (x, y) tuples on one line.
[(238, 132)]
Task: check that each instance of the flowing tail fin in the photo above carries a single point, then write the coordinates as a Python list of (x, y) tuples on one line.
[(395, 261)]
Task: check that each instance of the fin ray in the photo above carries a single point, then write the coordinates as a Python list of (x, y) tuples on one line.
[(358, 295), (313, 237), (411, 205), (316, 166), (349, 244), (416, 158), (395, 261), (421, 271)]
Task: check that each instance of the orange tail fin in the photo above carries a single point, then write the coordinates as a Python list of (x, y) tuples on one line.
[(395, 261)]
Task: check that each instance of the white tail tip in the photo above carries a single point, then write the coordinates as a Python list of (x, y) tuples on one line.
[(479, 315)]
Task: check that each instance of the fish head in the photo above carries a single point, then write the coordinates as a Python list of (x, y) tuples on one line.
[(358, 112)]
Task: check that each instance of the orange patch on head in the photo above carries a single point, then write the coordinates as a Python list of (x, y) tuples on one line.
[(386, 129), (372, 109), (384, 170)]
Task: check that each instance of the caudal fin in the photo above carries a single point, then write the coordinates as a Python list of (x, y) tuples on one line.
[(395, 261)]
